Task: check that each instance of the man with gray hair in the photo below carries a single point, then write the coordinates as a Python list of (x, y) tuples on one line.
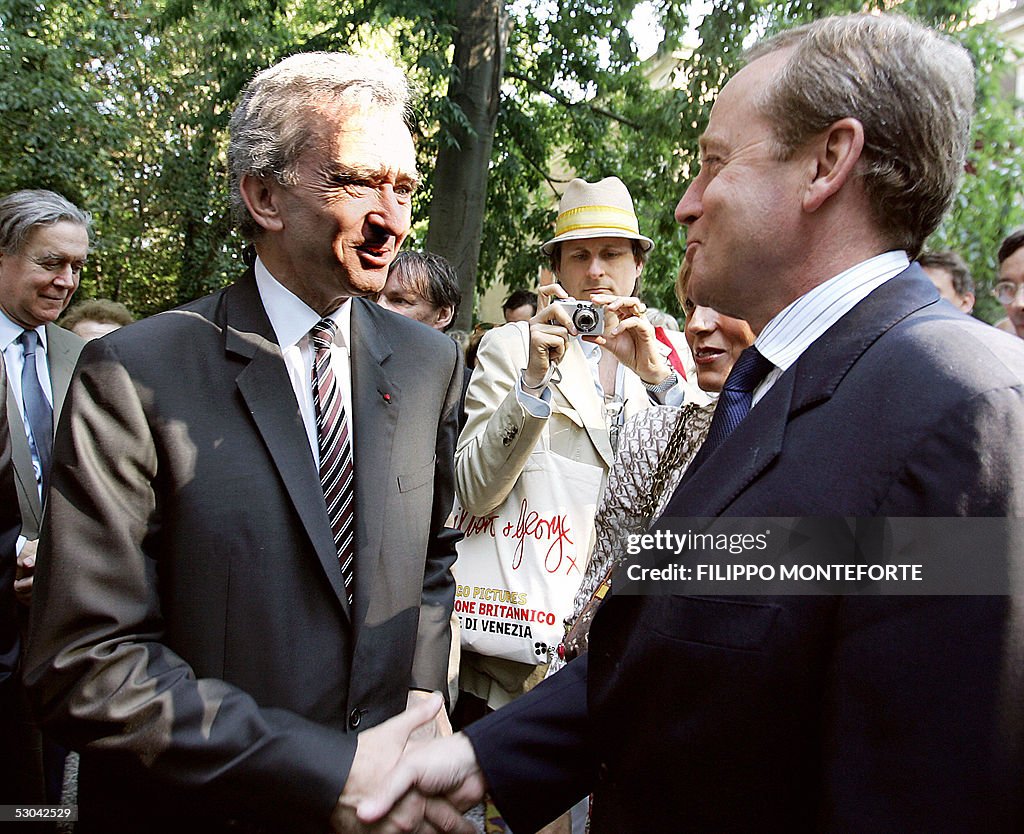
[(828, 159), (246, 569), (44, 243)]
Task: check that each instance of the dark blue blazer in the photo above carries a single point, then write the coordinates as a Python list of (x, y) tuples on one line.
[(811, 713)]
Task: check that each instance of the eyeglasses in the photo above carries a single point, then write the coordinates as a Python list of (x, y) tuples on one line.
[(1006, 292)]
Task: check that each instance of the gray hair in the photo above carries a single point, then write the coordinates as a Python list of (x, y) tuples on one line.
[(271, 126), (22, 211), (910, 87)]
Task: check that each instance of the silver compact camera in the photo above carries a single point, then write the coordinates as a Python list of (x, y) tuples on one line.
[(587, 318)]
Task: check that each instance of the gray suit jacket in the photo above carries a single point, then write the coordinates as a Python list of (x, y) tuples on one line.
[(190, 632), (10, 524), (62, 351)]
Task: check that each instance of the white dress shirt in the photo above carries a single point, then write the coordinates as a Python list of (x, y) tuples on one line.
[(798, 326), (292, 319)]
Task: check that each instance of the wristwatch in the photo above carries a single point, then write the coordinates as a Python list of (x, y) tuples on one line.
[(662, 387)]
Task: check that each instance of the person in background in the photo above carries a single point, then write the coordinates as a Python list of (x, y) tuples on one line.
[(597, 254), (951, 277), (44, 244), (96, 317), (424, 287), (521, 305), (10, 638), (1008, 290)]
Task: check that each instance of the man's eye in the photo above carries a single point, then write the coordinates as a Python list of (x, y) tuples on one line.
[(404, 190), (711, 164), (349, 182)]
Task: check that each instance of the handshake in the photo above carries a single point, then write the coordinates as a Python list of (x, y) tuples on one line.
[(405, 779)]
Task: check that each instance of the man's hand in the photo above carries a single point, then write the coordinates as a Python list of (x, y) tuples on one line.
[(446, 767), (630, 337), (25, 571), (438, 728), (550, 330), (377, 752)]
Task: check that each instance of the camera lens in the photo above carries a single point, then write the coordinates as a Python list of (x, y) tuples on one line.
[(585, 320)]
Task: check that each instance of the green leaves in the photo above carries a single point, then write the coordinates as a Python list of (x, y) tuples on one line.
[(123, 105)]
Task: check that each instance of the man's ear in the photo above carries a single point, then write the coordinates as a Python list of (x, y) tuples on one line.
[(444, 317), (261, 195), (836, 152)]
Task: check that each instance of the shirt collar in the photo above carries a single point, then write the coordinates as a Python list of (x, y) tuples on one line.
[(10, 331), (795, 328), (291, 317)]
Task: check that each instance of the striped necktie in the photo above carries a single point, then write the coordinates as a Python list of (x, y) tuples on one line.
[(336, 465), (734, 402), (37, 407)]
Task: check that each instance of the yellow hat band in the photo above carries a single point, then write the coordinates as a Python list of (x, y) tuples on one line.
[(596, 217)]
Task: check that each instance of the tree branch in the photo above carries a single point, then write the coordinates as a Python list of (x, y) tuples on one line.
[(566, 103), (548, 178)]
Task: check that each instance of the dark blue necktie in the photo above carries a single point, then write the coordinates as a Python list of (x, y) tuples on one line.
[(37, 407), (734, 401)]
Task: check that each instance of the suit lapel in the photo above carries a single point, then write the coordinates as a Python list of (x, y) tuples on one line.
[(809, 383), (264, 385), (744, 455), (63, 349), (376, 404), (24, 473), (577, 387)]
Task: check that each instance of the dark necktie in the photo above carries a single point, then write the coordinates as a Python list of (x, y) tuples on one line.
[(37, 407), (336, 466), (734, 401)]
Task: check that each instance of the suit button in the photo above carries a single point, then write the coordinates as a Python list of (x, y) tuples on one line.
[(354, 718)]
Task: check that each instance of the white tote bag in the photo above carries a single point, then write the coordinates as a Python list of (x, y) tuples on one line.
[(519, 567)]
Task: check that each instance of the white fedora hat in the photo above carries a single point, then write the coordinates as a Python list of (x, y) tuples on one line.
[(598, 209)]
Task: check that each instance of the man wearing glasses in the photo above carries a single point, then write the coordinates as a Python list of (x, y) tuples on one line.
[(1011, 280)]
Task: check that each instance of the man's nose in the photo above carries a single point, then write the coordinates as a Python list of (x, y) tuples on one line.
[(390, 214), (66, 276), (688, 208)]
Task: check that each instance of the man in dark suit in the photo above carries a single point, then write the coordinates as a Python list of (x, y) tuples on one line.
[(44, 243), (828, 159), (10, 641), (246, 563)]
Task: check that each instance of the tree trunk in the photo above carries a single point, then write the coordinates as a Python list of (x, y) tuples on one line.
[(460, 178)]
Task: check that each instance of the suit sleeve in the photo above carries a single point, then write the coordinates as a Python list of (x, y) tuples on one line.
[(98, 668), (959, 756), (500, 434), (434, 634), (536, 751)]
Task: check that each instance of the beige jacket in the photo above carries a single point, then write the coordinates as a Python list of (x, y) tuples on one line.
[(496, 444)]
